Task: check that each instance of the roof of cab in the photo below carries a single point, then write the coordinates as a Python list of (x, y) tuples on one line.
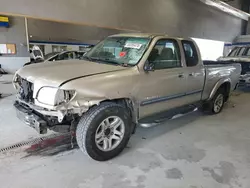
[(144, 35), (147, 35)]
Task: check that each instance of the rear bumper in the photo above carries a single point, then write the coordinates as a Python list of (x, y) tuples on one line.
[(244, 83), (244, 80), (30, 118)]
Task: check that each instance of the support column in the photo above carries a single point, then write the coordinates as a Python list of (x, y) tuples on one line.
[(27, 33), (15, 34), (47, 49)]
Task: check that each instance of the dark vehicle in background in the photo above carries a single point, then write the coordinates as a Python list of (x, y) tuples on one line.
[(240, 54), (58, 56), (66, 55)]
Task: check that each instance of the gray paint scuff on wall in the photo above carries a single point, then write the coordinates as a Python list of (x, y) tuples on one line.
[(15, 34), (174, 17), (42, 30)]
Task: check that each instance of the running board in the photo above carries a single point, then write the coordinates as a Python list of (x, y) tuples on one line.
[(157, 121)]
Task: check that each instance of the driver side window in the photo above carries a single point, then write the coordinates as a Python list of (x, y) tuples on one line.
[(165, 54)]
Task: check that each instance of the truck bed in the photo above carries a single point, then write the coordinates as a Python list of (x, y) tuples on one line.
[(219, 70), (208, 62), (245, 65)]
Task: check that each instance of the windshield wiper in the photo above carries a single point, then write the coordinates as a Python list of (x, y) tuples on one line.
[(110, 61), (95, 59), (106, 60)]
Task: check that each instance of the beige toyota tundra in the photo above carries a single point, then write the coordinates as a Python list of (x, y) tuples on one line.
[(124, 81)]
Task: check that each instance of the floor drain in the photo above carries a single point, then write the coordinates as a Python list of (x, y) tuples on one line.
[(31, 142)]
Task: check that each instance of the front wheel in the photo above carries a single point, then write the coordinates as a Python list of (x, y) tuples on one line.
[(104, 131)]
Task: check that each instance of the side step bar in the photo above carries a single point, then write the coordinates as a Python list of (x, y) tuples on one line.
[(163, 117)]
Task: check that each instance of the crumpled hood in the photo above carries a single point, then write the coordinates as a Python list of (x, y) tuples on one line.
[(56, 73)]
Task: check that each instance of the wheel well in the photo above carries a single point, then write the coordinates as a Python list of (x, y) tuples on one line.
[(226, 87), (128, 104)]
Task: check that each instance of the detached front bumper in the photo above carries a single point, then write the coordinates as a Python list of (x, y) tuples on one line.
[(30, 118)]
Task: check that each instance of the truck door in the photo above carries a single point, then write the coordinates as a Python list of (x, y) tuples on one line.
[(195, 71), (163, 88)]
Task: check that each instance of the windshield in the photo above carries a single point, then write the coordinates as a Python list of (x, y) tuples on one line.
[(49, 55), (233, 52), (119, 50)]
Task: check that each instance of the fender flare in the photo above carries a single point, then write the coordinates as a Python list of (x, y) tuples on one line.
[(218, 85)]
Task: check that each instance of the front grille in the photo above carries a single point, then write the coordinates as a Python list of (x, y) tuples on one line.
[(26, 90)]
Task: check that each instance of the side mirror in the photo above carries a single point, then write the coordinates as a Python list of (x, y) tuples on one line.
[(149, 66)]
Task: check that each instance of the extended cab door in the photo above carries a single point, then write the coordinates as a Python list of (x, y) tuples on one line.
[(164, 87), (195, 71)]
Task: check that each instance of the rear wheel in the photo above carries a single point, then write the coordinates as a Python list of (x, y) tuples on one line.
[(104, 131), (216, 104)]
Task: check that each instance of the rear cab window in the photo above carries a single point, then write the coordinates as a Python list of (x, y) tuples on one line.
[(191, 54)]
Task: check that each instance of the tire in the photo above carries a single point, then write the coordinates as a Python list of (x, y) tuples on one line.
[(90, 123), (216, 105)]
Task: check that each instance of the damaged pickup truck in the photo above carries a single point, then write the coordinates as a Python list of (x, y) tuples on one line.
[(124, 81)]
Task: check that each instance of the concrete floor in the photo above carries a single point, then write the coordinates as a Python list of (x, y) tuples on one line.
[(195, 151), (6, 86), (8, 119)]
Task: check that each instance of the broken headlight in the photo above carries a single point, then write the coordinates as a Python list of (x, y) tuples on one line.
[(54, 96)]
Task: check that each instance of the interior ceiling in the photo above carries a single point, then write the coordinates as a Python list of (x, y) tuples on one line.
[(40, 30)]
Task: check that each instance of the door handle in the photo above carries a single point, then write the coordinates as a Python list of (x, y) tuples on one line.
[(191, 74)]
